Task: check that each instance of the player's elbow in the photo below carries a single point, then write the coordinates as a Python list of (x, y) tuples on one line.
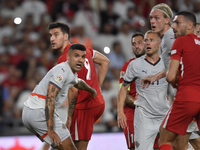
[(170, 78)]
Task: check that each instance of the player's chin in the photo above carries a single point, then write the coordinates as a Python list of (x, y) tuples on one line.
[(78, 68)]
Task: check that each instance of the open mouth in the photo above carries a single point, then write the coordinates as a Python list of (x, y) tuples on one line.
[(148, 48), (137, 51), (153, 27), (78, 65)]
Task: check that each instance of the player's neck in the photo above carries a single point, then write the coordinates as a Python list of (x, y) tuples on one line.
[(161, 33), (64, 46), (153, 58)]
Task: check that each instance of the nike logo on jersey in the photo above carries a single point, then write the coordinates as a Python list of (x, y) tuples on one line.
[(144, 71)]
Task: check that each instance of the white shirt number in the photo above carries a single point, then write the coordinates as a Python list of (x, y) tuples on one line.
[(87, 66)]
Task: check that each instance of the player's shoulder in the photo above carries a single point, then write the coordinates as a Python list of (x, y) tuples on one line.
[(138, 61), (168, 35)]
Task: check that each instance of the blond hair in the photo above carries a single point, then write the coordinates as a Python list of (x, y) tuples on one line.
[(152, 32), (167, 12)]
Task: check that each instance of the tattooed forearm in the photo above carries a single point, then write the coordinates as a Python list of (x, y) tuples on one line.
[(50, 105), (82, 85), (130, 100), (124, 84), (72, 106)]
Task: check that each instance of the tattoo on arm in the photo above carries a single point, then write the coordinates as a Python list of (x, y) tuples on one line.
[(124, 84), (52, 92), (130, 100), (72, 106)]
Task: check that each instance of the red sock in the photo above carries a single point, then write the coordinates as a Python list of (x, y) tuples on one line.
[(165, 147)]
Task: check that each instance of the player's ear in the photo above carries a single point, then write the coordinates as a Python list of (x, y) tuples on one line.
[(190, 25), (66, 36), (167, 20)]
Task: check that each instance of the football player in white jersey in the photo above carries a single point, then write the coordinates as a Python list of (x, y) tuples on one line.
[(151, 103), (40, 114), (160, 22)]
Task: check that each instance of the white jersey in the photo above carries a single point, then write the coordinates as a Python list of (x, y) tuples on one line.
[(152, 100), (60, 76), (166, 45)]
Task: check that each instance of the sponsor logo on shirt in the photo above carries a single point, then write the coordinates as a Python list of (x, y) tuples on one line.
[(173, 52), (122, 74), (145, 71), (197, 41), (59, 78)]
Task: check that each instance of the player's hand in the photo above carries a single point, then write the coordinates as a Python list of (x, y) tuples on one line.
[(121, 120), (146, 81), (54, 137), (94, 93), (69, 122)]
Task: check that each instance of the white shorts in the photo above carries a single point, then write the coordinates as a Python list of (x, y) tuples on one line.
[(63, 114), (146, 130), (35, 121), (194, 129)]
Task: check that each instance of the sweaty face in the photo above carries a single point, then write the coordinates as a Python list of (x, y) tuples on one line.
[(157, 21), (76, 59), (138, 46), (151, 43), (179, 26), (57, 38)]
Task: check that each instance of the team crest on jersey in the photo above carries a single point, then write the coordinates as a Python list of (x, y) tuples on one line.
[(59, 78), (122, 74)]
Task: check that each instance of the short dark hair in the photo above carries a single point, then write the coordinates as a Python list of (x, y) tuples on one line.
[(78, 47), (64, 27), (189, 16), (137, 34)]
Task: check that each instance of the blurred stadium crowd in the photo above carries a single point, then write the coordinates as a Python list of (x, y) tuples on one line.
[(26, 54)]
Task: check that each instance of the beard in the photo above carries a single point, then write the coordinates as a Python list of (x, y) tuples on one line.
[(139, 55)]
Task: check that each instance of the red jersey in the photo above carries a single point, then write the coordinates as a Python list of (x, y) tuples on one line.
[(89, 75), (186, 49), (128, 109)]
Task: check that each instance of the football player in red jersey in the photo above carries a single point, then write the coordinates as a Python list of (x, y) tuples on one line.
[(83, 111)]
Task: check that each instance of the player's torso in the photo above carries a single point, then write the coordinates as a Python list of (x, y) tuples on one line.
[(154, 98)]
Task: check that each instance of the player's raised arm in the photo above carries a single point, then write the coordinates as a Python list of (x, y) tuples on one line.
[(103, 62), (82, 85), (52, 92), (121, 118), (172, 72)]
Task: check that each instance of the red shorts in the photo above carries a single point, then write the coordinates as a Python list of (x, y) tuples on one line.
[(83, 120), (129, 130), (180, 116)]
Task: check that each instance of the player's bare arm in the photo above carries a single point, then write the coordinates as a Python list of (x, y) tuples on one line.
[(103, 63), (72, 98), (130, 100), (146, 81), (121, 118), (172, 77), (52, 92), (82, 85)]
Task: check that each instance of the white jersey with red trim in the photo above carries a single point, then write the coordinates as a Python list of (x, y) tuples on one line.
[(152, 100), (62, 77)]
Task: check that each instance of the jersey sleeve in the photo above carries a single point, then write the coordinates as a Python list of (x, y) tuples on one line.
[(58, 77), (177, 49), (122, 73), (130, 73)]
